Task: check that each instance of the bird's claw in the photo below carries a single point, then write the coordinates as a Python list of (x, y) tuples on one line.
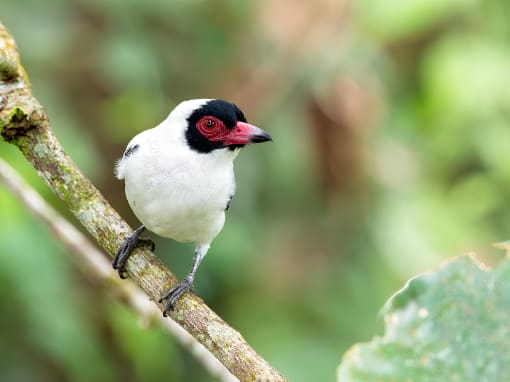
[(173, 294), (119, 261), (129, 244)]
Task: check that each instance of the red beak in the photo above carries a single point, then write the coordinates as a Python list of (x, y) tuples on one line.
[(244, 134)]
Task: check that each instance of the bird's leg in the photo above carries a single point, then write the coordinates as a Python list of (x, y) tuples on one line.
[(130, 242), (186, 284)]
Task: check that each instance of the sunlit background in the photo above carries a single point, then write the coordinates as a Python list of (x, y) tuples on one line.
[(391, 153)]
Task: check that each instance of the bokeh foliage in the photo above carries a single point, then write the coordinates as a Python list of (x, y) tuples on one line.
[(390, 126)]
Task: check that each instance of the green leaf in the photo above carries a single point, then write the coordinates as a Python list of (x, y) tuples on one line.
[(451, 325)]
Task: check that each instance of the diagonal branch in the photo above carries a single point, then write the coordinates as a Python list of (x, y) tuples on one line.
[(98, 266), (24, 123)]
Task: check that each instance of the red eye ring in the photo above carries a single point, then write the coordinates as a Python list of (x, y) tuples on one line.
[(211, 128)]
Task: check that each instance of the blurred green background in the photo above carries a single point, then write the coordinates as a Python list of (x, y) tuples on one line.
[(391, 130)]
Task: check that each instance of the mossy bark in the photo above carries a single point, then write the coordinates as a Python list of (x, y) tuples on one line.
[(24, 123)]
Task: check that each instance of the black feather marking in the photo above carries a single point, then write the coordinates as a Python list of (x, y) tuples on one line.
[(239, 114), (130, 150), (229, 202)]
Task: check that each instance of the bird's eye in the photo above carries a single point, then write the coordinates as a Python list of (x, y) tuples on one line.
[(210, 127)]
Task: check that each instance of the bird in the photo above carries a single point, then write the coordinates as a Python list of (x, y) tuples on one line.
[(179, 180)]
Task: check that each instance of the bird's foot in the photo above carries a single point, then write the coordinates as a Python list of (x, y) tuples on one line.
[(175, 293), (130, 242)]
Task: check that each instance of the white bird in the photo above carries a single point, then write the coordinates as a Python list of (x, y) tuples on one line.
[(179, 178)]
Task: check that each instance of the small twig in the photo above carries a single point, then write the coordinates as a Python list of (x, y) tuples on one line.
[(99, 267), (24, 123)]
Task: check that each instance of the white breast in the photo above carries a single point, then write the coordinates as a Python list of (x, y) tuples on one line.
[(176, 192)]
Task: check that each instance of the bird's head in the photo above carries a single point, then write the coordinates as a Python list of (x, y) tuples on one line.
[(212, 124)]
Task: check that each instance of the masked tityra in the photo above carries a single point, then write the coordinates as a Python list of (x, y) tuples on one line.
[(179, 178)]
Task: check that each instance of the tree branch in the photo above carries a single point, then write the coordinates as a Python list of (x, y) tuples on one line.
[(24, 123), (97, 266)]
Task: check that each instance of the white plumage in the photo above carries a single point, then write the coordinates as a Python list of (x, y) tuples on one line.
[(174, 191), (179, 177)]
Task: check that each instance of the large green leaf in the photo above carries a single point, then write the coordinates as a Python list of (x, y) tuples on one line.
[(451, 325)]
